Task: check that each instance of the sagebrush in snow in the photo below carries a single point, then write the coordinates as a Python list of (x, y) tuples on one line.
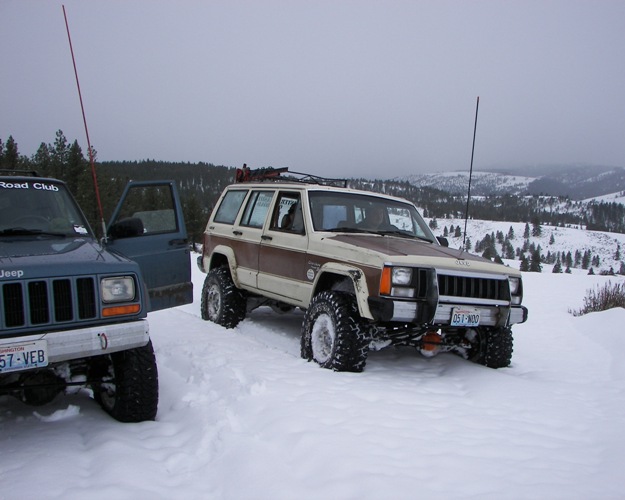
[(602, 299)]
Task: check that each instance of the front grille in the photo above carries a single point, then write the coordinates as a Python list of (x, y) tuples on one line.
[(48, 302), (475, 288)]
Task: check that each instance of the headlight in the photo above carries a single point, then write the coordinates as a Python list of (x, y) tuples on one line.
[(514, 285), (515, 290), (118, 289), (396, 282), (401, 276)]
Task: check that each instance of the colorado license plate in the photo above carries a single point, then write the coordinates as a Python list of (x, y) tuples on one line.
[(465, 316), (21, 356)]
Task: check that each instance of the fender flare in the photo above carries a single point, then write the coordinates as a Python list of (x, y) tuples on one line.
[(356, 276), (230, 257)]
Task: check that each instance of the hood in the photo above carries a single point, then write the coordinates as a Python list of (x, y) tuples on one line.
[(402, 249), (45, 257)]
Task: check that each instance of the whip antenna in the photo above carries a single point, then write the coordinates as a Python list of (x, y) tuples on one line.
[(84, 119), (466, 213)]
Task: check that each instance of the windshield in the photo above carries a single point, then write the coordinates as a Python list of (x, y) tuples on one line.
[(355, 212), (30, 206)]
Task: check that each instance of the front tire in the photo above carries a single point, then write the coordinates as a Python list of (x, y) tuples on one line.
[(490, 347), (127, 386), (222, 302), (333, 333)]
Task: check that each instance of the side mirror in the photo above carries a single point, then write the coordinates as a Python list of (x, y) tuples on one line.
[(444, 242), (126, 228)]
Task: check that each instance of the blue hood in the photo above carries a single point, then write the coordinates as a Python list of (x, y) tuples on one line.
[(29, 258)]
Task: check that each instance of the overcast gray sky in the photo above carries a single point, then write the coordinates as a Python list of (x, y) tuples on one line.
[(337, 88)]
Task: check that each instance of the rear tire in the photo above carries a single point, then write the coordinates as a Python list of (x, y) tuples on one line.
[(222, 302), (333, 333), (490, 347), (127, 388)]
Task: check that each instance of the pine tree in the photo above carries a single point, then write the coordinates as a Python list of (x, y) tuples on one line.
[(194, 217), (586, 259), (10, 157), (552, 239), (58, 156), (557, 268), (41, 160), (536, 229), (535, 265), (525, 266), (526, 232)]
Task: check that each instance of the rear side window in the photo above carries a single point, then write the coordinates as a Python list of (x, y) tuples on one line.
[(257, 208), (230, 205)]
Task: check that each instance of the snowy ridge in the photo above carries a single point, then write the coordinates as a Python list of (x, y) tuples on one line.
[(575, 181), (242, 416), (482, 183)]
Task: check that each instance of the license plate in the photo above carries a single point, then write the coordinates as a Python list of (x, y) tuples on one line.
[(465, 316), (22, 356)]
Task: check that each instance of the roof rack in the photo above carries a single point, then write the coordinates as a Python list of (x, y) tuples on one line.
[(15, 171), (271, 174)]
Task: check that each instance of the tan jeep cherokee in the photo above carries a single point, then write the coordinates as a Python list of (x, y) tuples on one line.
[(364, 266)]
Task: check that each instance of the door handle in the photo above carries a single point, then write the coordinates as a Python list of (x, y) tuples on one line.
[(237, 233), (178, 242), (266, 238)]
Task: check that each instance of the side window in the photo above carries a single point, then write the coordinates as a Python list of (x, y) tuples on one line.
[(146, 210), (230, 205), (257, 209), (287, 214)]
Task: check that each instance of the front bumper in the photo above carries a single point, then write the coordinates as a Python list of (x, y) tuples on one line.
[(500, 313), (85, 342)]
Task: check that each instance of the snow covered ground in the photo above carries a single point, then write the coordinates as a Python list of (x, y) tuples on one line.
[(242, 416)]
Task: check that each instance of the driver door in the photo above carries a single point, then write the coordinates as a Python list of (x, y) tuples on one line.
[(148, 227)]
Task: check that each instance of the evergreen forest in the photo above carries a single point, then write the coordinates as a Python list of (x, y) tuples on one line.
[(200, 185)]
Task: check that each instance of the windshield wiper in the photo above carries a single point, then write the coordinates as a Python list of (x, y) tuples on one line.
[(403, 234), (345, 229)]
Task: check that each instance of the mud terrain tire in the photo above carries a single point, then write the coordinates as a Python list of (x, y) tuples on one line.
[(128, 385), (491, 347), (222, 302), (333, 334)]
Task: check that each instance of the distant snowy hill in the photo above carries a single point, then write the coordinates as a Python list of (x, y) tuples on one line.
[(482, 183), (576, 182)]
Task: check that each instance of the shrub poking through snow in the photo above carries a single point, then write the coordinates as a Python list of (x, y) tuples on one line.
[(602, 299)]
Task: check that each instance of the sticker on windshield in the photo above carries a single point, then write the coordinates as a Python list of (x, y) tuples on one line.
[(80, 229)]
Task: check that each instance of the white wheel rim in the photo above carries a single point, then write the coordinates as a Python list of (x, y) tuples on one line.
[(322, 338), (213, 301)]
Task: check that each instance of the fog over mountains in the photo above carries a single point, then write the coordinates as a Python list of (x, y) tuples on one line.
[(578, 182)]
